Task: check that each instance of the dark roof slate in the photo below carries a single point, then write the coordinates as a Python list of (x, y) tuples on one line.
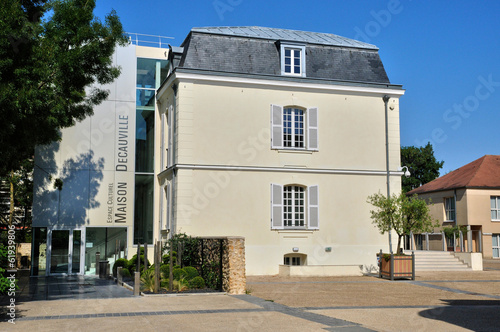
[(288, 35), (481, 173), (234, 53)]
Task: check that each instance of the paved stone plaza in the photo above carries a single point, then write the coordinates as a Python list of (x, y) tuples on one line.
[(435, 301)]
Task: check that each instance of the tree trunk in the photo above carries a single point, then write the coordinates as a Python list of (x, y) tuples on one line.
[(399, 245), (11, 210)]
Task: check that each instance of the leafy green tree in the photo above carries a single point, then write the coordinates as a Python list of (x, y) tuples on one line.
[(422, 165), (53, 54), (20, 186), (402, 214)]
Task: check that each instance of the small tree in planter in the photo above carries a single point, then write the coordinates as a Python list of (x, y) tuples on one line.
[(402, 214)]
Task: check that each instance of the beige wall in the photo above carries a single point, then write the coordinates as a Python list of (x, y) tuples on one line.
[(472, 209), (230, 125), (223, 203), (219, 124)]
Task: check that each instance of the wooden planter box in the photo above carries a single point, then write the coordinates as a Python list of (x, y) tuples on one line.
[(397, 267)]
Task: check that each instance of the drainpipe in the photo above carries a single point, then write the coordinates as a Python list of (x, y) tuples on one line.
[(386, 100)]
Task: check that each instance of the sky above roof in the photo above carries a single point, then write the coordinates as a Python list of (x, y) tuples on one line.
[(445, 54)]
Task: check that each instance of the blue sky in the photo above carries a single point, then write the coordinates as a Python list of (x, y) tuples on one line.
[(445, 54)]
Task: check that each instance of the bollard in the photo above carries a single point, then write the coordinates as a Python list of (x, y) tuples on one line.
[(137, 283), (119, 275)]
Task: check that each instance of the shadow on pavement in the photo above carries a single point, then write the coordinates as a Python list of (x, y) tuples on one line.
[(476, 315)]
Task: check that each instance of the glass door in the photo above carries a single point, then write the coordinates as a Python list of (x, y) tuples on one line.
[(65, 251), (76, 254), (59, 254)]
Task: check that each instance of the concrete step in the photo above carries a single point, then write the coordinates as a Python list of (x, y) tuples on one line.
[(438, 261)]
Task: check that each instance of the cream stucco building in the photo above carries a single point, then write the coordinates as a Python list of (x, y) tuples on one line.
[(278, 136), (274, 135)]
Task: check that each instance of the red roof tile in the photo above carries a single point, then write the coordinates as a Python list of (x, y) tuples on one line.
[(481, 173)]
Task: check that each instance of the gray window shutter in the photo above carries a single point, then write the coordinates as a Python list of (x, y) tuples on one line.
[(276, 127), (276, 206), (167, 199), (312, 128), (313, 207)]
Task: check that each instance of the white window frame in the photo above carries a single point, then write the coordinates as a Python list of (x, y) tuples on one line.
[(495, 208), (310, 207), (309, 130), (448, 209), (294, 124), (293, 219), (302, 60), (497, 246)]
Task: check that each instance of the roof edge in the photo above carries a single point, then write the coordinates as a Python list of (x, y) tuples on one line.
[(361, 45)]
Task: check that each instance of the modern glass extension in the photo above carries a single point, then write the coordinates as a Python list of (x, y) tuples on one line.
[(73, 251), (150, 75)]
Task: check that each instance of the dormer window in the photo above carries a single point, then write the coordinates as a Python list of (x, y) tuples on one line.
[(293, 59)]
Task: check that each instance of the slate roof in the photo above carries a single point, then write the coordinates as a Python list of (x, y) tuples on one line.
[(481, 173), (288, 35), (256, 51)]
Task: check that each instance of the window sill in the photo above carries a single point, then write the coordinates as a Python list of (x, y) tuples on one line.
[(292, 74), (448, 221), (495, 220), (291, 150), (295, 230)]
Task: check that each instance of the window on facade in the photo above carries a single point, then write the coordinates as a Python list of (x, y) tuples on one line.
[(496, 245), (294, 128), (292, 260), (294, 207), (495, 207), (449, 208), (293, 60)]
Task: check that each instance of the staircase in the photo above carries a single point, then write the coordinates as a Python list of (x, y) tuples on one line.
[(437, 261)]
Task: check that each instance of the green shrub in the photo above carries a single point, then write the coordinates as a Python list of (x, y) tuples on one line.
[(191, 272), (126, 273), (179, 274), (164, 271), (197, 283), (121, 262), (166, 258), (164, 284), (148, 280), (132, 264)]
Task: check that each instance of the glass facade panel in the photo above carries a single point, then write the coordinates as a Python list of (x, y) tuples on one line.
[(144, 141), (151, 73), (77, 242), (143, 214), (109, 242), (59, 251), (39, 255), (146, 73), (145, 97), (95, 242)]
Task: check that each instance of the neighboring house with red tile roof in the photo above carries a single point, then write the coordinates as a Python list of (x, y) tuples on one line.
[(470, 197)]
